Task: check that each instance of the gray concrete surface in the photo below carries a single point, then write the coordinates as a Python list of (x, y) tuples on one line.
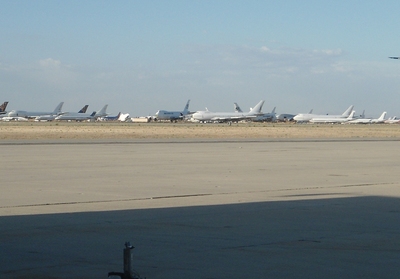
[(305, 209)]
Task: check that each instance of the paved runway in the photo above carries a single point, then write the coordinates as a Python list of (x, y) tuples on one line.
[(240, 209)]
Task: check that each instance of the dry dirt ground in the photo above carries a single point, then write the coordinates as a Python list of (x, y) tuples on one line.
[(10, 131)]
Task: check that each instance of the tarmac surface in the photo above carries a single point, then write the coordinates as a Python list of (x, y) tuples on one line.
[(201, 209)]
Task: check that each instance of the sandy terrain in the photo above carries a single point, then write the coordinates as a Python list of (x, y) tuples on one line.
[(103, 131)]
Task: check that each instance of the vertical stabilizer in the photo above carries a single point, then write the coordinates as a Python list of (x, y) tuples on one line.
[(348, 111), (382, 117), (84, 109), (257, 108), (3, 107), (186, 109), (351, 116), (58, 108), (102, 112), (237, 108)]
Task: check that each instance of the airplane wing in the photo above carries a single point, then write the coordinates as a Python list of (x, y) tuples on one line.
[(226, 119), (233, 118)]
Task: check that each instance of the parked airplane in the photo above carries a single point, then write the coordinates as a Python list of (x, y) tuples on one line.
[(332, 120), (73, 116), (360, 121), (363, 120), (172, 115), (52, 117), (110, 118), (3, 108), (392, 120), (207, 116), (34, 114), (305, 117), (379, 120)]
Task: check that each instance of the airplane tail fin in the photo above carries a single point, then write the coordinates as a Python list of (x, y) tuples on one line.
[(348, 111), (83, 110), (186, 109), (273, 111), (3, 107), (257, 108), (93, 114), (351, 116), (237, 108), (311, 110), (382, 117), (102, 112), (58, 108)]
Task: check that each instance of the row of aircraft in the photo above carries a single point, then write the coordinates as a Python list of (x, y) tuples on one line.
[(56, 114), (347, 117), (256, 114), (204, 116)]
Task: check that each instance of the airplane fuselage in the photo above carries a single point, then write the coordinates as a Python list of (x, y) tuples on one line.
[(168, 115), (75, 116), (28, 114), (305, 117), (218, 116)]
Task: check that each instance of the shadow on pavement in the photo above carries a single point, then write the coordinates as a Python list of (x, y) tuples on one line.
[(324, 238)]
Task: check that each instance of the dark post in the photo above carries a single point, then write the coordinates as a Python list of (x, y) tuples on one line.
[(129, 272), (128, 260)]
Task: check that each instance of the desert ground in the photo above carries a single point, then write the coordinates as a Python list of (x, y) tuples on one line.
[(10, 131)]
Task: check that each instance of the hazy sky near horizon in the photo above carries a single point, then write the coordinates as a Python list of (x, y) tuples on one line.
[(141, 56)]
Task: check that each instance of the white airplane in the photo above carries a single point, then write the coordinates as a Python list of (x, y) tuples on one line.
[(52, 117), (172, 116), (3, 108), (360, 121), (364, 120), (305, 117), (74, 116), (379, 120), (34, 114), (208, 116), (392, 120), (332, 120)]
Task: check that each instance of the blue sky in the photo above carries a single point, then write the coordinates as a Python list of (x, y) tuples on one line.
[(141, 56)]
